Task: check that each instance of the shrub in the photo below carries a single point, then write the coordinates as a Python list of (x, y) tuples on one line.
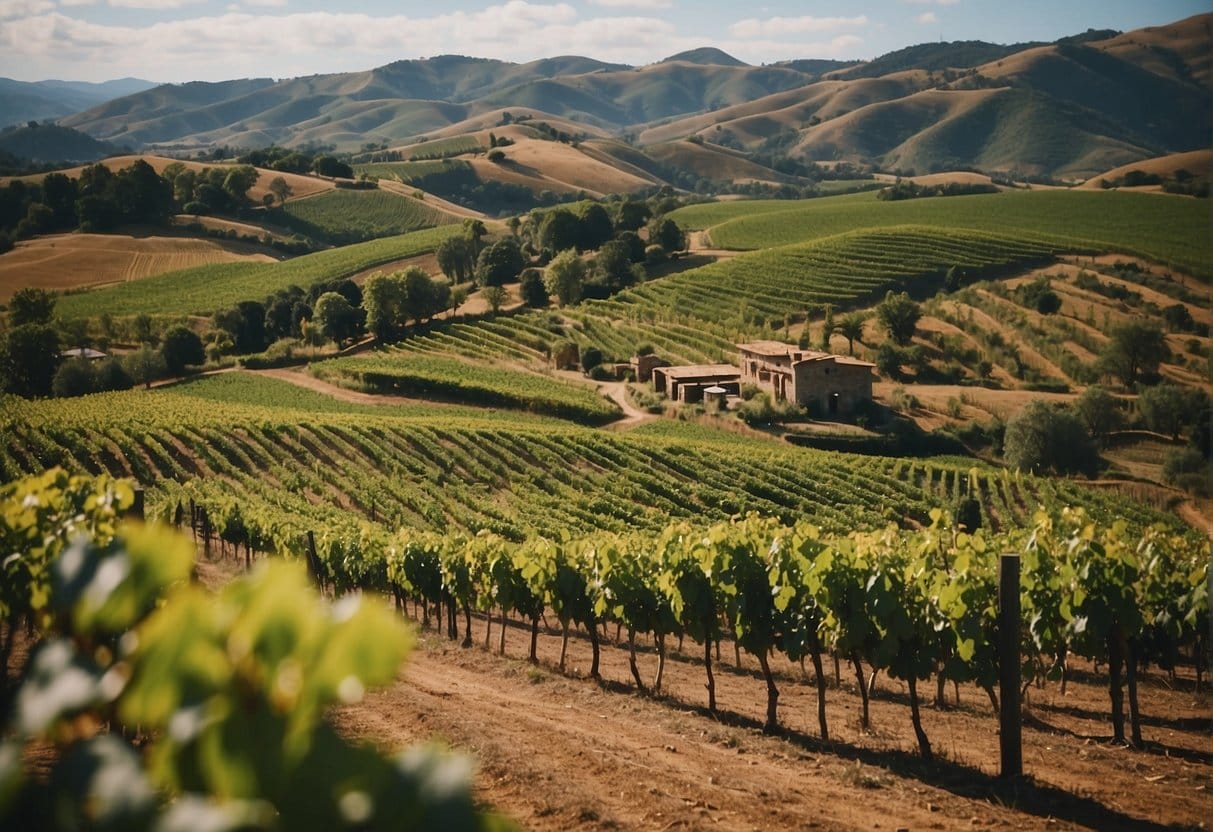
[(1042, 437), (75, 377), (591, 357), (181, 348)]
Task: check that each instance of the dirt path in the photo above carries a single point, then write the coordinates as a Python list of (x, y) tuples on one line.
[(617, 392), (699, 242), (558, 751), (301, 378)]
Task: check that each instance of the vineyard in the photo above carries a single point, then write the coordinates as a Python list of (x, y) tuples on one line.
[(432, 377), (345, 216), (204, 289), (1166, 229), (699, 315)]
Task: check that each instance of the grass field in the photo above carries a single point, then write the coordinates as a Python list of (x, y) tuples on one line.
[(1172, 230), (350, 215), (204, 289), (407, 171), (456, 380), (452, 146), (65, 262)]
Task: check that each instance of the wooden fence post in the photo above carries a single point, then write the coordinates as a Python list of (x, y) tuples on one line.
[(1010, 735), (136, 509)]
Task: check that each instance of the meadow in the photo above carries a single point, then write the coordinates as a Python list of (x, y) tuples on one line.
[(1172, 230), (202, 290)]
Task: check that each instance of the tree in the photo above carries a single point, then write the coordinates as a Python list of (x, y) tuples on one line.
[(31, 306), (475, 230), (145, 365), (383, 299), (75, 377), (96, 213), (1099, 411), (899, 316), (238, 181), (29, 357), (455, 258), (613, 266), (666, 233), (560, 229), (851, 328), (332, 167), (181, 348), (111, 375), (590, 358), (888, 360), (1039, 295), (141, 329), (828, 327), (336, 318), (634, 243), (1041, 437), (596, 226), (245, 323), (1134, 351), (1166, 408), (495, 297), (1178, 318), (565, 276), (499, 263), (530, 286), (280, 189), (631, 215), (424, 297)]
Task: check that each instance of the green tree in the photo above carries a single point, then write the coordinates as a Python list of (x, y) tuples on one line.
[(665, 232), (29, 356), (75, 377), (142, 329), (596, 226), (613, 266), (828, 327), (31, 306), (245, 322), (559, 230), (1099, 411), (565, 277), (332, 167), (1134, 351), (181, 348), (239, 181), (383, 300), (145, 365), (455, 258), (424, 297), (494, 296), (1166, 408), (280, 189), (336, 318), (899, 315), (1042, 438), (111, 375), (530, 286), (631, 215), (499, 263), (851, 328)]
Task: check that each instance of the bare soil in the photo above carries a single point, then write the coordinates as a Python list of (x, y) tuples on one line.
[(559, 751)]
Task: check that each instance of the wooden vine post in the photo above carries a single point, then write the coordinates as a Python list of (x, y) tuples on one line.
[(1010, 735)]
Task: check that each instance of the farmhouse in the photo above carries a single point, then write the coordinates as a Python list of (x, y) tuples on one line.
[(830, 385), (686, 384)]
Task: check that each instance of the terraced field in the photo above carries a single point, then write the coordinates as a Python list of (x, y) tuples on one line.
[(345, 216), (1172, 230), (349, 473)]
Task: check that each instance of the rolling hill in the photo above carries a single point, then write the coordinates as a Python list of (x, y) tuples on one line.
[(24, 101), (1068, 109)]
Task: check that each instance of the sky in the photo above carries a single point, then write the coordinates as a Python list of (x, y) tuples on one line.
[(212, 40)]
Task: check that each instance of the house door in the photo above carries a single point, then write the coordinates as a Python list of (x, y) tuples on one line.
[(833, 404)]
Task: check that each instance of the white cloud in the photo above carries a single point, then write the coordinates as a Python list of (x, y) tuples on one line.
[(78, 2), (274, 3), (651, 5), (248, 43), (932, 2), (927, 17), (774, 27), (151, 4), (14, 9)]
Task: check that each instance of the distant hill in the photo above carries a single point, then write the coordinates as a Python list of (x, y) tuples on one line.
[(52, 143), (705, 55), (24, 101), (1068, 109)]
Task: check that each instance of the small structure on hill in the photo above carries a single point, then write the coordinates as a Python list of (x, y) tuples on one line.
[(830, 385), (83, 352), (687, 384), (643, 366), (566, 356)]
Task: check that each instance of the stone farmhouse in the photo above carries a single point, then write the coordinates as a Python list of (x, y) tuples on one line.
[(686, 384), (829, 385)]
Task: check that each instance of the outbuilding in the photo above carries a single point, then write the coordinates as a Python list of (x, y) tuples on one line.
[(829, 385)]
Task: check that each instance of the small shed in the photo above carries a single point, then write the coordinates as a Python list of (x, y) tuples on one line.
[(643, 366), (686, 384), (713, 397), (566, 356)]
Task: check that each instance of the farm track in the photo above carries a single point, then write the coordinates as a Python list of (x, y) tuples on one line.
[(559, 752)]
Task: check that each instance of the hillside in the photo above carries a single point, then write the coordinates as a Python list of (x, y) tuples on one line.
[(24, 101), (1198, 163), (1070, 109), (52, 143)]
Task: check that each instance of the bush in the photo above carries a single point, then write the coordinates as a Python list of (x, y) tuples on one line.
[(1043, 438), (655, 255), (198, 209), (75, 377), (591, 357), (111, 375), (181, 348), (530, 286), (1188, 469)]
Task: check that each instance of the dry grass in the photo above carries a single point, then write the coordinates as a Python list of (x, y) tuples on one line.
[(553, 166), (75, 261), (1199, 162)]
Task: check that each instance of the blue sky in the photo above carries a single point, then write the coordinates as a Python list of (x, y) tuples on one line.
[(181, 40)]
